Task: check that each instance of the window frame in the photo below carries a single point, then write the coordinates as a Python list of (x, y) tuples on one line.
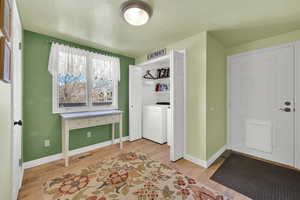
[(89, 106)]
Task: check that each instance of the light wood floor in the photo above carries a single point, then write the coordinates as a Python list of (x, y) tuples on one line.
[(36, 176)]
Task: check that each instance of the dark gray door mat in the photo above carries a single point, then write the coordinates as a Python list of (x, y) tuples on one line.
[(257, 179)]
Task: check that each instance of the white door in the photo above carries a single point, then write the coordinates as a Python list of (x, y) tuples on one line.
[(297, 102), (262, 102), (17, 103), (177, 94), (135, 102)]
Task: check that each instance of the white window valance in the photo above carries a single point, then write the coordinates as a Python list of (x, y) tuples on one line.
[(105, 67), (69, 60)]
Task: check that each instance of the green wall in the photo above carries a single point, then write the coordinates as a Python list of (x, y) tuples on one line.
[(195, 47), (5, 141), (265, 42), (39, 122), (216, 125)]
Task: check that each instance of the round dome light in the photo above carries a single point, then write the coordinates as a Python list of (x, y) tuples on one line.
[(136, 12)]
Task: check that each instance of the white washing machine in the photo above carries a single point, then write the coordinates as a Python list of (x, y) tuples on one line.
[(155, 122)]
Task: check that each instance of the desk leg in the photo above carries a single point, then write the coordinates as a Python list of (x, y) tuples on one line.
[(65, 142), (121, 131), (113, 133)]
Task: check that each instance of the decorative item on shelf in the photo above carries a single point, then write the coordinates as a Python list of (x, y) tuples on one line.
[(148, 75), (158, 73), (163, 73), (162, 87), (157, 87), (156, 54)]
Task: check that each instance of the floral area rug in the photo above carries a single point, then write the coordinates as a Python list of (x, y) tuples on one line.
[(128, 176)]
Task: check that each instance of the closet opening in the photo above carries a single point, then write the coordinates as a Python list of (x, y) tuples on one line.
[(157, 102)]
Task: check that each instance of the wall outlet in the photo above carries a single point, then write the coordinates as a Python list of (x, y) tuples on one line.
[(89, 134), (46, 143)]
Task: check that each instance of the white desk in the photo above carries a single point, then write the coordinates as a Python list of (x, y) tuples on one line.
[(72, 121)]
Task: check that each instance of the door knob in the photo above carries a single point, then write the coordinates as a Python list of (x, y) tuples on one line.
[(285, 109), (20, 123)]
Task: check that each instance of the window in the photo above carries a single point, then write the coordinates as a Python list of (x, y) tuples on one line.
[(102, 90), (83, 81), (72, 84)]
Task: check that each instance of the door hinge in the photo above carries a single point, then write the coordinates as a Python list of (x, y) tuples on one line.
[(20, 45), (20, 162)]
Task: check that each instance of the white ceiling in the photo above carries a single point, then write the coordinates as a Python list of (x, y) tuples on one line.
[(98, 23)]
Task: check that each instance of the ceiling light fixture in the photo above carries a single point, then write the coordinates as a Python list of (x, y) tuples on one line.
[(136, 12)]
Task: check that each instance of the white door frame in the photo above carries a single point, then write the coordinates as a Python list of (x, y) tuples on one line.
[(228, 103), (184, 96), (16, 139), (297, 101), (185, 89), (229, 58)]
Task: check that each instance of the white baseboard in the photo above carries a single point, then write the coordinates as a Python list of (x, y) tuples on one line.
[(40, 161), (21, 177), (214, 157), (203, 163), (44, 160), (195, 160)]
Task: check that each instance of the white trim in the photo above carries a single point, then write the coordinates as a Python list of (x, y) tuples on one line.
[(40, 161), (185, 101), (21, 177), (214, 157), (44, 160), (296, 103), (195, 160), (211, 160), (261, 50), (16, 93), (228, 103)]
